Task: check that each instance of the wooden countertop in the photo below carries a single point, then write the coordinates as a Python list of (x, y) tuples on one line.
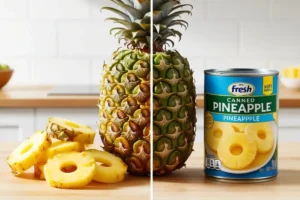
[(27, 187), (190, 184), (36, 97)]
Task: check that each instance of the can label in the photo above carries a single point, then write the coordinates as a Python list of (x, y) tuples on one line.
[(240, 121)]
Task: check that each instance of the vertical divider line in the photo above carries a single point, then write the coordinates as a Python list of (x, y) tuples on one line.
[(151, 101)]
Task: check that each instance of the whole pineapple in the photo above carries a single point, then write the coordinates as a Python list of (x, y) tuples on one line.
[(173, 91), (124, 104)]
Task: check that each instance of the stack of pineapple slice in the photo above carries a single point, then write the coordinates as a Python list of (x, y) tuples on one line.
[(59, 156)]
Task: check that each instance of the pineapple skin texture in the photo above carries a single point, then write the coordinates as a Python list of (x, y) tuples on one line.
[(174, 111), (28, 153), (124, 109), (115, 168), (39, 170), (83, 175)]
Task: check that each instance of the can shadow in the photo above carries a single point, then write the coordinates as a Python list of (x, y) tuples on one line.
[(196, 175)]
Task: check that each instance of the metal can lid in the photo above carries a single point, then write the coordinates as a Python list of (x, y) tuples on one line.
[(241, 72)]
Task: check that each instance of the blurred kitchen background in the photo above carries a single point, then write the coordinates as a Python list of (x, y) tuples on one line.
[(65, 42)]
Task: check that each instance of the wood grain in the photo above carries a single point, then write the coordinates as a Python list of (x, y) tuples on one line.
[(190, 184), (28, 187), (36, 97)]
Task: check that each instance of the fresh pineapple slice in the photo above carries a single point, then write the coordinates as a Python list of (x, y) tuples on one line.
[(63, 129), (216, 133), (112, 168), (237, 151), (83, 165), (39, 170), (262, 134), (29, 152), (239, 127), (61, 147)]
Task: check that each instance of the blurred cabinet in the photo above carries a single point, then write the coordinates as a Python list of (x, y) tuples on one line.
[(16, 124)]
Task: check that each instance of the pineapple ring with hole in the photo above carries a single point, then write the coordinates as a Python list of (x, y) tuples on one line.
[(239, 127), (262, 134), (237, 151), (112, 170), (216, 133), (62, 147), (83, 165), (63, 129), (29, 152), (39, 170)]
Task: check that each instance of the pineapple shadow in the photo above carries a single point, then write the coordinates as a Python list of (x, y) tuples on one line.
[(184, 175)]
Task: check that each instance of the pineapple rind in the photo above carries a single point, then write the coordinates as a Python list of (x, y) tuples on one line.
[(124, 108), (174, 113), (115, 168), (19, 162), (39, 170), (82, 176), (61, 129)]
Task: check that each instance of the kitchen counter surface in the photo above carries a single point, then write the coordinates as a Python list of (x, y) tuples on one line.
[(36, 97), (27, 187), (190, 184)]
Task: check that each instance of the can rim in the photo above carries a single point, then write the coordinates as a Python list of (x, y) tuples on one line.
[(241, 72)]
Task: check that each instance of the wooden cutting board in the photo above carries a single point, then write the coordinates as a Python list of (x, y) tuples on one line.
[(28, 187), (190, 184)]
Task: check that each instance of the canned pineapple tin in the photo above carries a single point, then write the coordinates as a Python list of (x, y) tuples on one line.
[(240, 121)]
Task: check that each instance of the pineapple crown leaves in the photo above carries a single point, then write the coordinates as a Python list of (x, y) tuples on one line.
[(165, 17), (135, 19)]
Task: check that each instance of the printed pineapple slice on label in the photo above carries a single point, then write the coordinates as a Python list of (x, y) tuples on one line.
[(262, 134), (112, 168), (275, 117), (239, 127), (58, 171), (29, 152), (216, 133), (67, 130), (209, 120), (237, 151)]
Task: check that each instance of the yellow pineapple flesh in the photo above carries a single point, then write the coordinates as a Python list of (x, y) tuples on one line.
[(237, 151), (84, 170), (29, 152), (111, 170)]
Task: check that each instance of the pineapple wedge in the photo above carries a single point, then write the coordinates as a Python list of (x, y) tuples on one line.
[(29, 152), (84, 168), (67, 130), (112, 169)]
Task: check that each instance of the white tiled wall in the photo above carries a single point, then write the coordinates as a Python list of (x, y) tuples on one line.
[(67, 41)]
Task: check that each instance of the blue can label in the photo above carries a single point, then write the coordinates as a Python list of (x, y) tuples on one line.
[(241, 131)]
